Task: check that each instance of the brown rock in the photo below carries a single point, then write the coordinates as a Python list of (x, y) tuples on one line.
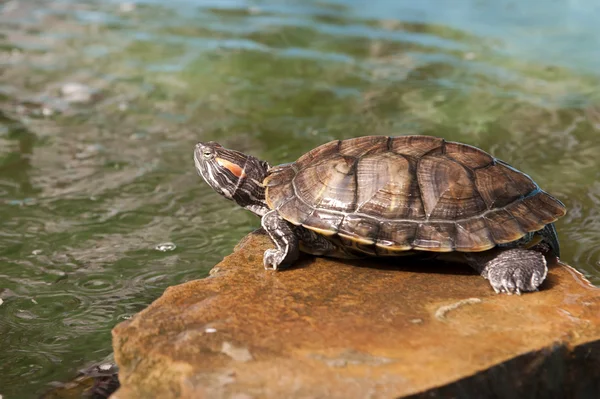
[(331, 329)]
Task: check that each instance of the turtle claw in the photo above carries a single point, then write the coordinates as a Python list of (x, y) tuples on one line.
[(272, 259)]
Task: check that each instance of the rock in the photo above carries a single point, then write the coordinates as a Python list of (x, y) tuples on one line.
[(364, 329)]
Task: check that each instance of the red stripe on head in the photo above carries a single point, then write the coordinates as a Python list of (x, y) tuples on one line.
[(233, 168)]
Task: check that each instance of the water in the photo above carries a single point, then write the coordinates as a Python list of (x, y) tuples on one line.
[(102, 102)]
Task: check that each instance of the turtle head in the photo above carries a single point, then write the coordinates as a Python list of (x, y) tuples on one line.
[(234, 175)]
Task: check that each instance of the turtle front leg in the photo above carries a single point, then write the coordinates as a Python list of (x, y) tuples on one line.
[(283, 237), (510, 270)]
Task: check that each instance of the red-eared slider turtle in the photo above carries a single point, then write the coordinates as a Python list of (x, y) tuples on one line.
[(390, 196)]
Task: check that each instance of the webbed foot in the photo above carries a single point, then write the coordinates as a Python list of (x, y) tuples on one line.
[(273, 258), (512, 271)]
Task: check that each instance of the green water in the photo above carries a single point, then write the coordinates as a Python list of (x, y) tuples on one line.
[(94, 177)]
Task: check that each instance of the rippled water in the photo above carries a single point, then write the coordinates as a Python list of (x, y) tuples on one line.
[(101, 103)]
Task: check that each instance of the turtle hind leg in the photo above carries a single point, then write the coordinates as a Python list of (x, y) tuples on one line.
[(512, 271), (283, 237), (549, 240), (316, 244)]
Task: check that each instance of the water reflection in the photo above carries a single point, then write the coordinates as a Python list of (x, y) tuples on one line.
[(17, 144), (102, 102)]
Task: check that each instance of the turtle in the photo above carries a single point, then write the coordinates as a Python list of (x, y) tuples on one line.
[(376, 196)]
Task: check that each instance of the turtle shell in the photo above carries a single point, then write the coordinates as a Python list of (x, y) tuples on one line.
[(392, 194)]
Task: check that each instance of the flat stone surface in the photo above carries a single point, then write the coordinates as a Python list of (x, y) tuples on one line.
[(368, 329)]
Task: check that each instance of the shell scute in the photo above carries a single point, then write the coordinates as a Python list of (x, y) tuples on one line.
[(362, 146), (545, 207), (528, 220), (295, 211), (503, 226), (435, 237), (323, 222), (416, 146), (278, 189), (500, 185), (329, 184), (281, 174), (396, 235), (447, 189), (321, 153), (467, 155), (360, 228), (473, 235), (279, 195), (387, 187)]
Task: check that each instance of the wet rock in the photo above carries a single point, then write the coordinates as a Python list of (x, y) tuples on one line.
[(97, 381), (377, 329)]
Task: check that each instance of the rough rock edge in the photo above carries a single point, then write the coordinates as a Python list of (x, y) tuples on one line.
[(556, 372)]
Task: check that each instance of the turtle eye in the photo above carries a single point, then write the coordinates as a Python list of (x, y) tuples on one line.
[(207, 154)]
